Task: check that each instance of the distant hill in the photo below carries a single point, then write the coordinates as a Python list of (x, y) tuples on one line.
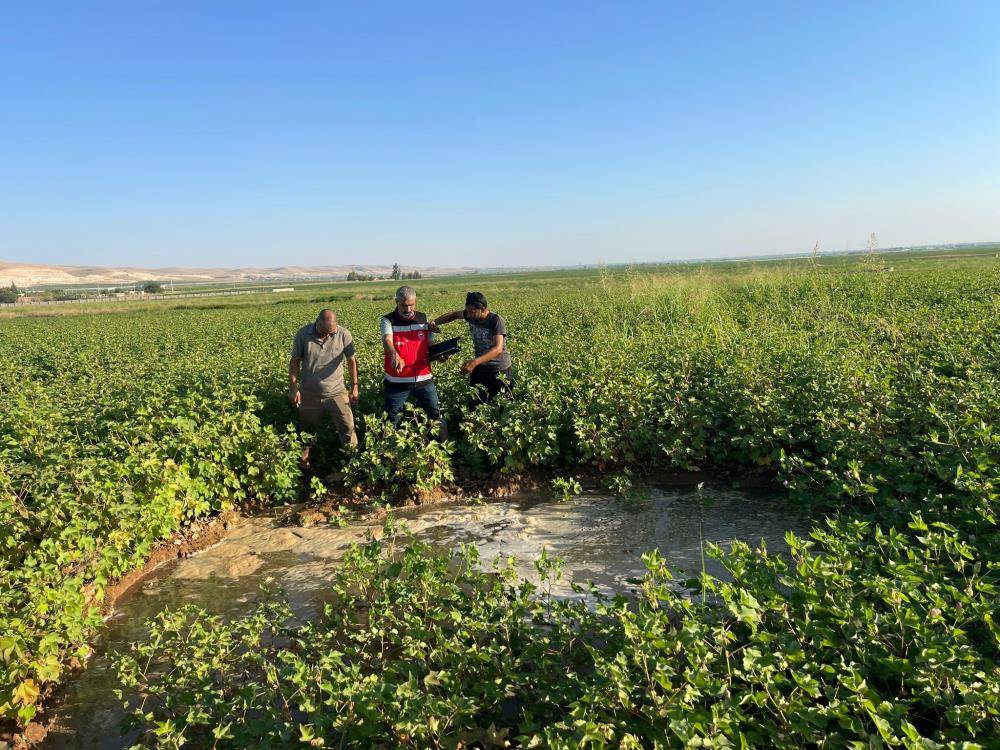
[(35, 274), (29, 275)]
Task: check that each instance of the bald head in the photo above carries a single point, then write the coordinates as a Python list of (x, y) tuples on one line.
[(326, 322)]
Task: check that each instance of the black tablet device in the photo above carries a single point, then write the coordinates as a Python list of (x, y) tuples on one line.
[(442, 349)]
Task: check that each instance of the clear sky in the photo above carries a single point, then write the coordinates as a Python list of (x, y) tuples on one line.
[(219, 133)]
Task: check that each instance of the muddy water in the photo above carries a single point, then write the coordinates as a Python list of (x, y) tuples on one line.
[(598, 538)]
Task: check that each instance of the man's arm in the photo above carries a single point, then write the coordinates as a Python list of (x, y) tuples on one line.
[(293, 381), (447, 318), (489, 355), (352, 365), (394, 359)]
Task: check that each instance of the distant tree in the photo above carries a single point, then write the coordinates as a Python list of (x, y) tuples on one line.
[(60, 295), (152, 287), (413, 275), (353, 276), (9, 295), (396, 272)]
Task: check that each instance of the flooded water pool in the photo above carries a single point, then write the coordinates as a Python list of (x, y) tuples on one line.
[(598, 538)]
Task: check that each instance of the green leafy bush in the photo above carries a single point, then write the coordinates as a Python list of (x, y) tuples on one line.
[(566, 488), (399, 460)]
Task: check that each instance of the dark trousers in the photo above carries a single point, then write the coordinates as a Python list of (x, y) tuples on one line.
[(487, 384), (396, 395)]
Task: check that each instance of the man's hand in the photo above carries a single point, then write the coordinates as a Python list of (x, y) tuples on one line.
[(294, 397), (468, 367), (434, 327), (397, 362), (354, 396)]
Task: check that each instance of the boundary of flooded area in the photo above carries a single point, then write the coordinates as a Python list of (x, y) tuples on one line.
[(185, 542), (206, 532), (499, 485), (195, 537)]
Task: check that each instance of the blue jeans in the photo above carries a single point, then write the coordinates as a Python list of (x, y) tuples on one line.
[(397, 394)]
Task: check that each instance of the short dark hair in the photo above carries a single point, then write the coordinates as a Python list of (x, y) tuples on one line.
[(477, 300)]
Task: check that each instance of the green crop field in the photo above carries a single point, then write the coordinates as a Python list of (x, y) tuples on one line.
[(868, 392)]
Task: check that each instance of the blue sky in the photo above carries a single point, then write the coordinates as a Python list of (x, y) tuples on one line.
[(245, 133)]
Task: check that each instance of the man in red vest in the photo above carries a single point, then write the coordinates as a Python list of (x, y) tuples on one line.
[(406, 337)]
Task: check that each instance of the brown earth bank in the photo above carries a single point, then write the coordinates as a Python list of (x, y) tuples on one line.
[(337, 507)]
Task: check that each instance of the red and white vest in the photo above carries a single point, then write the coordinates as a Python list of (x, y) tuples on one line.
[(411, 338)]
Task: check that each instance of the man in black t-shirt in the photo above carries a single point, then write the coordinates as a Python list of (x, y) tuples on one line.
[(490, 372)]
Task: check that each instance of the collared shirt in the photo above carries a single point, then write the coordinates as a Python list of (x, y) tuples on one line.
[(322, 371)]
